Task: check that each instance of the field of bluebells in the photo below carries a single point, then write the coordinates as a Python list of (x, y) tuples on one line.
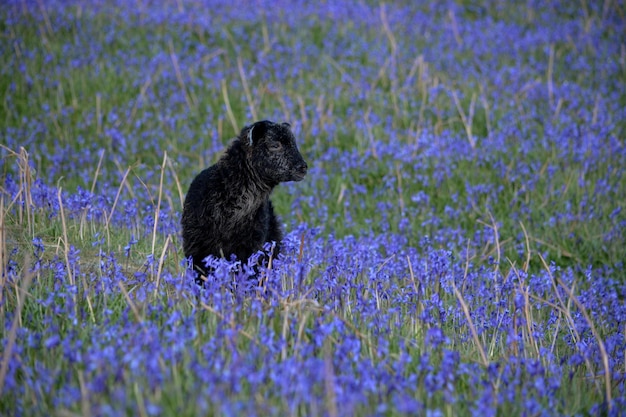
[(457, 247)]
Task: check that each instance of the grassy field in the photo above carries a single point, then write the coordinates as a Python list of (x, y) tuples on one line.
[(457, 247)]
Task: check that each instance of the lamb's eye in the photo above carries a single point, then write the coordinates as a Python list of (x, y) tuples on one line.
[(275, 146)]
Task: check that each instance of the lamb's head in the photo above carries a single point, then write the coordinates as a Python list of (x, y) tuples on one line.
[(273, 153)]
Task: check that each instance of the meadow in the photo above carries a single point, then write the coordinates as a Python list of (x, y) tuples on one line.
[(457, 247)]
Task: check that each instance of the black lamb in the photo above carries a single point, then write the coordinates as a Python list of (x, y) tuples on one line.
[(227, 210)]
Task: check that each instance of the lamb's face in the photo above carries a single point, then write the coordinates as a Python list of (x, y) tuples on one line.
[(275, 155)]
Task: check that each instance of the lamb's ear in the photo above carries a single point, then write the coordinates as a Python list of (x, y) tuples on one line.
[(250, 135), (256, 132)]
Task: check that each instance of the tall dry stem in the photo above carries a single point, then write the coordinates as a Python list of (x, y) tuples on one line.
[(161, 262), (158, 205), (596, 335), (246, 89), (117, 196), (3, 252), (229, 109), (179, 187), (26, 182), (566, 309), (12, 333), (179, 77), (466, 119), (470, 322)]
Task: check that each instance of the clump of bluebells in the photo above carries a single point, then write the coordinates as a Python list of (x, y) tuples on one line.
[(457, 247), (344, 317)]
